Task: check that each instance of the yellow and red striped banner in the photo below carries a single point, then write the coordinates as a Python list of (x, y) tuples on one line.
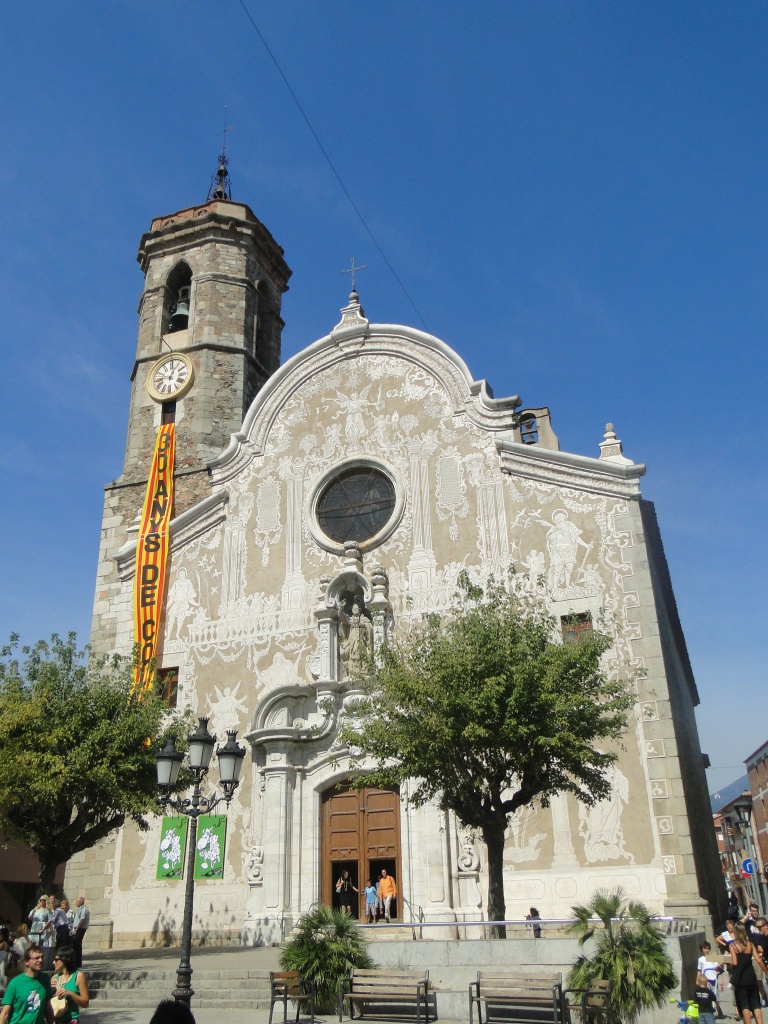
[(152, 554)]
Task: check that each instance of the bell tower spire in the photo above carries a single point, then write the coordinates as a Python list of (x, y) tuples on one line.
[(221, 186)]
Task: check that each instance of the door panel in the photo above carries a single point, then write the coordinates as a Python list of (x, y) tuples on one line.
[(360, 829)]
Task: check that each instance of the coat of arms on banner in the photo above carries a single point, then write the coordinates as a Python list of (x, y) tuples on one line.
[(211, 840), (173, 843)]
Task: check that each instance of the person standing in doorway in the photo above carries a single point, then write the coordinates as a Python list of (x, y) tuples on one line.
[(79, 927), (344, 889), (370, 903), (387, 891)]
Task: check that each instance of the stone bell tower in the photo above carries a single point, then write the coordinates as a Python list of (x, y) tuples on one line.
[(209, 336)]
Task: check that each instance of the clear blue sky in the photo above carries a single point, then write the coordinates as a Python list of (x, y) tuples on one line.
[(573, 193)]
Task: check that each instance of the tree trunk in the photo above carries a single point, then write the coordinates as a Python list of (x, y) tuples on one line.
[(47, 873), (493, 837)]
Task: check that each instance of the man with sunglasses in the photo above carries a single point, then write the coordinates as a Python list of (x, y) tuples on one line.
[(27, 999)]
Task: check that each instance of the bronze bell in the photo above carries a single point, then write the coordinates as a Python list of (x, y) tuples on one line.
[(180, 313)]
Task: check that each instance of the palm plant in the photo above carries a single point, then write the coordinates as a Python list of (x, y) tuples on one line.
[(628, 950), (326, 945)]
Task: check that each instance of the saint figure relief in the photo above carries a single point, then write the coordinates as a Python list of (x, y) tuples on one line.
[(600, 826), (182, 600), (563, 543)]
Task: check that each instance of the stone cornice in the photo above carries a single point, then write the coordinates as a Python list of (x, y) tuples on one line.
[(565, 469), (217, 221), (185, 528)]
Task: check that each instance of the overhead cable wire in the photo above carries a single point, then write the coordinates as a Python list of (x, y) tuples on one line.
[(330, 163)]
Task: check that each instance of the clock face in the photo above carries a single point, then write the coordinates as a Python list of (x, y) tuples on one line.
[(170, 377)]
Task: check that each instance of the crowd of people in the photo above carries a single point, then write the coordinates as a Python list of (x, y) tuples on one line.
[(41, 976), (743, 961)]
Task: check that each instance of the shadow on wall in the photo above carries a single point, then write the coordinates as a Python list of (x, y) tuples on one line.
[(166, 929), (266, 931)]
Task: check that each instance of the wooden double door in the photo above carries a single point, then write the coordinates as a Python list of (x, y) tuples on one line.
[(360, 834)]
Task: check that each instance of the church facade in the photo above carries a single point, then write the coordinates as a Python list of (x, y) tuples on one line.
[(320, 505)]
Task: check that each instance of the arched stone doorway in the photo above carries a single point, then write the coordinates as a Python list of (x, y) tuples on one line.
[(360, 832)]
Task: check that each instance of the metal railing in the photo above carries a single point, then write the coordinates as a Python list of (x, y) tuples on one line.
[(667, 925), (417, 916)]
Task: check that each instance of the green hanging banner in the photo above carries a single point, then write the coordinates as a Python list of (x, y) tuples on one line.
[(173, 843), (211, 841)]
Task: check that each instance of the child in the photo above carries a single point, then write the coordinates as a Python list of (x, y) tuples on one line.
[(704, 999), (370, 903), (710, 969), (534, 917)]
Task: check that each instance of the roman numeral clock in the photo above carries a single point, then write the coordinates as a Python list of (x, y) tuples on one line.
[(170, 378)]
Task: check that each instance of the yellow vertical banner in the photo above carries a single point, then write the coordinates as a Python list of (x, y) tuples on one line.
[(152, 554)]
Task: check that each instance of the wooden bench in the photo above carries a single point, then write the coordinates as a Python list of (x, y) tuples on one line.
[(519, 997), (285, 985), (393, 987), (591, 1006)]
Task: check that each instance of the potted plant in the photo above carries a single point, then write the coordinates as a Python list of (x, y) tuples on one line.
[(628, 950), (326, 945)]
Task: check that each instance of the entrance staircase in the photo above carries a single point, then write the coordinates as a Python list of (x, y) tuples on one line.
[(225, 979)]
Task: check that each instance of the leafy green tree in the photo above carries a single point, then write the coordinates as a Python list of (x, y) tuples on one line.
[(327, 944), (76, 749), (628, 950), (488, 711)]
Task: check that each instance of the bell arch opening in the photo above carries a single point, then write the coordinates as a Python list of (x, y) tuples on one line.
[(178, 296)]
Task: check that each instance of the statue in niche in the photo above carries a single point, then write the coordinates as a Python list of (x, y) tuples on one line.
[(355, 638), (600, 826)]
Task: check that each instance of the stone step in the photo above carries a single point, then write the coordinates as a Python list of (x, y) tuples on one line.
[(147, 1000), (230, 989)]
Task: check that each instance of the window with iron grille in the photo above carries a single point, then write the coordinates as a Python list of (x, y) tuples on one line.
[(574, 626), (168, 686)]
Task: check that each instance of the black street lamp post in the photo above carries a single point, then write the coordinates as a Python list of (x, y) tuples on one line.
[(169, 760)]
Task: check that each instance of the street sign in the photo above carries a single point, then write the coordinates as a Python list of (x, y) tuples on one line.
[(747, 866)]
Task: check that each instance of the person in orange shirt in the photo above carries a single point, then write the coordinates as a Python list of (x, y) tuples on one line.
[(388, 891)]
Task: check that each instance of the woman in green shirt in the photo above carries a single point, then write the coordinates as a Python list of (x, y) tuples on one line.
[(69, 983)]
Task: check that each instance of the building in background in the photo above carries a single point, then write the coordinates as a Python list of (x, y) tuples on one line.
[(19, 880), (742, 863), (757, 773), (319, 506)]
